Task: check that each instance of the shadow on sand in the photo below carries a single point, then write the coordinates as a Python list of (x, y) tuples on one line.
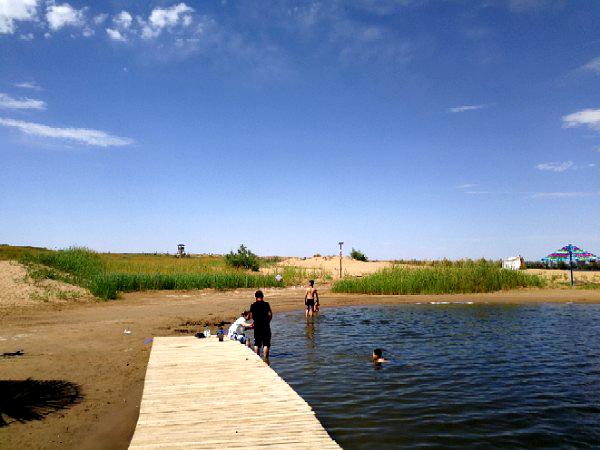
[(25, 400)]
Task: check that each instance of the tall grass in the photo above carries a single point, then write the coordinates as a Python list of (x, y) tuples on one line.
[(473, 278), (135, 263), (107, 275), (108, 285), (15, 252), (445, 262)]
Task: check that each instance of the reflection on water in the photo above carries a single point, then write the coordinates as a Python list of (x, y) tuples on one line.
[(476, 376)]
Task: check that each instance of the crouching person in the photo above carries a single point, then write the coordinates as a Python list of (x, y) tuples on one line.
[(237, 328)]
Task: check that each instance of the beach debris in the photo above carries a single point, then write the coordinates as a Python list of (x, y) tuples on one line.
[(278, 278), (13, 354), (148, 341), (126, 331)]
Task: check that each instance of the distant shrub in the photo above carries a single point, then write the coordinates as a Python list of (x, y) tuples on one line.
[(358, 255), (242, 259)]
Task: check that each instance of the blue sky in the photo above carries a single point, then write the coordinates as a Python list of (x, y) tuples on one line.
[(408, 128)]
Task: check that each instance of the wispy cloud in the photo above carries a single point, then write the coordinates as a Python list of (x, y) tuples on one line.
[(464, 108), (592, 65), (559, 195), (82, 135), (115, 35), (8, 102), (521, 6), (585, 117), (556, 166), (28, 85), (466, 186)]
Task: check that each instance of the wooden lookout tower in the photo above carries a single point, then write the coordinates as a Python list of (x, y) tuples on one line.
[(181, 251)]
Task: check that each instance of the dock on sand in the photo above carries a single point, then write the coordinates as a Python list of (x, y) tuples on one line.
[(205, 394)]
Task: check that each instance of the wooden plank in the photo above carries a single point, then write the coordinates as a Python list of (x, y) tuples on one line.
[(202, 394)]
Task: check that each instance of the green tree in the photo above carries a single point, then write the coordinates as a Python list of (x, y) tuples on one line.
[(243, 258), (358, 255)]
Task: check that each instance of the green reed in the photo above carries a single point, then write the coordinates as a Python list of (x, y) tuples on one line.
[(107, 275), (108, 285), (478, 277)]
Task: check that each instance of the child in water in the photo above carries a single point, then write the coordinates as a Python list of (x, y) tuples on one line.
[(378, 356)]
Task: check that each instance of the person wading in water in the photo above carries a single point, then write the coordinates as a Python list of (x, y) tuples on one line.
[(311, 299), (262, 315)]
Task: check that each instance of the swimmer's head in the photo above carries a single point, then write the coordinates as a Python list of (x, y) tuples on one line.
[(377, 353)]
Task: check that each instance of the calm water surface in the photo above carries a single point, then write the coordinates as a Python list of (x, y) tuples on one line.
[(460, 376)]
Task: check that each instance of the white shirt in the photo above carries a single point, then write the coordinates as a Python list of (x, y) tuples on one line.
[(237, 327)]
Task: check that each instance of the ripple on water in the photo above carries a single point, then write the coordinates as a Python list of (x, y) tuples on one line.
[(477, 376)]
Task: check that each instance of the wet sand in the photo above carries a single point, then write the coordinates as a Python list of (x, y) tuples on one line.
[(85, 344)]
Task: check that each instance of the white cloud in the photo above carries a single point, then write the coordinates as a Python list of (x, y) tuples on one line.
[(161, 18), (26, 37), (463, 108), (12, 11), (592, 65), (123, 20), (59, 16), (466, 186), (28, 85), (555, 166), (100, 19), (8, 102), (586, 117), (82, 135), (565, 194), (122, 24), (115, 35), (169, 17), (519, 6)]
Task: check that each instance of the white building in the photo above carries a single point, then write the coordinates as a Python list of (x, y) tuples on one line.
[(513, 263)]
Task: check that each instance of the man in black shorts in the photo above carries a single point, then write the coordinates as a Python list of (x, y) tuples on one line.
[(262, 315), (311, 299)]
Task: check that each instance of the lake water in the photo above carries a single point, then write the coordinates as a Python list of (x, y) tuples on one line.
[(460, 376)]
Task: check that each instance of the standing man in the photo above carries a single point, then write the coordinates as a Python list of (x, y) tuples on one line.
[(311, 299), (262, 315)]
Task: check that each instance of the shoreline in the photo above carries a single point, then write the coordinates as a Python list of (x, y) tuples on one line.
[(85, 344)]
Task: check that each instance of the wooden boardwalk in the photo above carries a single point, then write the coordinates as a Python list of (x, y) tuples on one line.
[(206, 394)]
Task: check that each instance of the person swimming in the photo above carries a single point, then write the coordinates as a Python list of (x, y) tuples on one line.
[(378, 356)]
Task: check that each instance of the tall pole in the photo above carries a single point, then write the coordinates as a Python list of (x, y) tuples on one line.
[(571, 262), (340, 244)]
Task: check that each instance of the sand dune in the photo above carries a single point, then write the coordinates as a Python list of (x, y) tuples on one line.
[(330, 265)]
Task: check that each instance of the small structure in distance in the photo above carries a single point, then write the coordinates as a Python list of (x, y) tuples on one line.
[(181, 251), (513, 263)]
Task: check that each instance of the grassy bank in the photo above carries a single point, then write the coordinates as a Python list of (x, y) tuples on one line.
[(105, 275), (477, 277)]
